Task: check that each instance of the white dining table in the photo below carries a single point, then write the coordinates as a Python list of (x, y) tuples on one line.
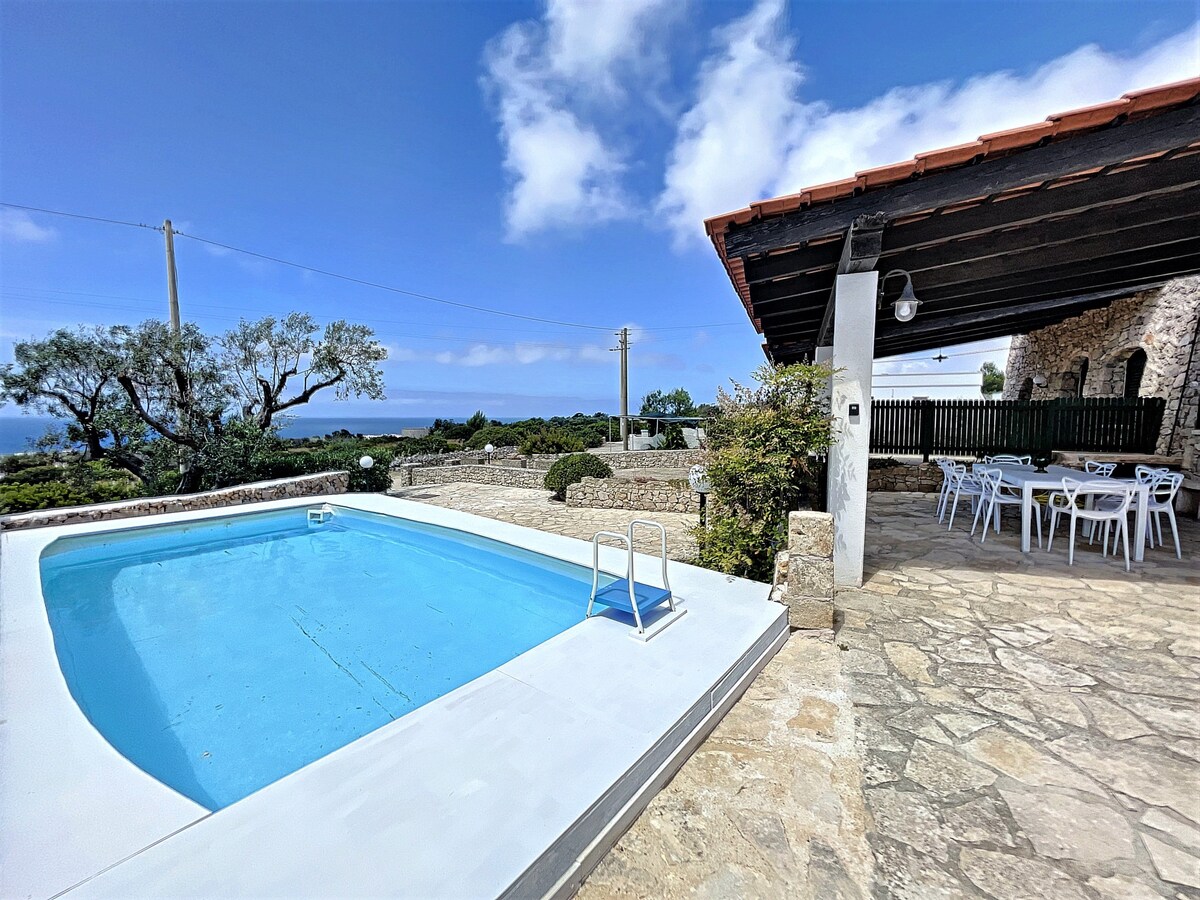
[(1030, 481)]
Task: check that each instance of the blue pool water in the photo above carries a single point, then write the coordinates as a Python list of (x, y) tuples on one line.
[(224, 655)]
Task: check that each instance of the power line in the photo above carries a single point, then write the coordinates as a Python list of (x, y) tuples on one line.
[(353, 280), (920, 374), (387, 287), (55, 212)]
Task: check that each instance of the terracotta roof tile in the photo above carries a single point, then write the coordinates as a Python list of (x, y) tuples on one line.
[(1090, 116), (1054, 127), (1019, 138), (952, 156), (831, 190), (890, 173), (1013, 139), (1164, 95)]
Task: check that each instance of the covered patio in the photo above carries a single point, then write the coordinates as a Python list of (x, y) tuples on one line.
[(1014, 231)]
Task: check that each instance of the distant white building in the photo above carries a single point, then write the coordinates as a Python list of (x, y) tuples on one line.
[(414, 432)]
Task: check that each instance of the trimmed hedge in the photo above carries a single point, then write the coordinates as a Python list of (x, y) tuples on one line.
[(572, 470)]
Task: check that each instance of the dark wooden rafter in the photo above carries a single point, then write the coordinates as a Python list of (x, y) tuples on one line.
[(1012, 243), (1096, 150), (860, 253)]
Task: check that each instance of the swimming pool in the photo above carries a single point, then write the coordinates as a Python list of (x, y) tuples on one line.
[(513, 784), (223, 655)]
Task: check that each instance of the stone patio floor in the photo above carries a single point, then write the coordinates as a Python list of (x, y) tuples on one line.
[(1018, 728), (535, 509), (1028, 729)]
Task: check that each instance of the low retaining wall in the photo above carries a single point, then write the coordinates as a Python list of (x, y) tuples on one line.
[(923, 477), (623, 493), (804, 572), (631, 459), (255, 492), (505, 476)]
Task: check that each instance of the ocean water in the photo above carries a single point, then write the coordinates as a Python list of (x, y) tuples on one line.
[(17, 431), (222, 656)]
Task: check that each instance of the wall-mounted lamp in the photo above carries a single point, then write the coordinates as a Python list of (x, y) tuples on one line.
[(1039, 381), (905, 307)]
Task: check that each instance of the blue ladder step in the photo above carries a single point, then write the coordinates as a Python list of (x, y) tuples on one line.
[(616, 595)]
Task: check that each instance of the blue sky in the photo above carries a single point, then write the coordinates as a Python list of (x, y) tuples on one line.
[(552, 160)]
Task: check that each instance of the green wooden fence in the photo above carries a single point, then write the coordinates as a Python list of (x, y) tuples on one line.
[(981, 427)]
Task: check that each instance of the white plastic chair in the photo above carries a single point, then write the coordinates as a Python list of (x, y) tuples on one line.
[(963, 484), (1146, 474), (947, 468), (997, 494), (1008, 458), (1104, 470), (1162, 500), (1071, 501)]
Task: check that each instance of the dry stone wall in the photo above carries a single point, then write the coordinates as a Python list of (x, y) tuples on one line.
[(632, 459), (623, 493), (804, 572), (280, 489), (505, 476), (923, 478), (1161, 322)]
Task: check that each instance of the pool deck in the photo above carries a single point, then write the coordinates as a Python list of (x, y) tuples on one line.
[(512, 785)]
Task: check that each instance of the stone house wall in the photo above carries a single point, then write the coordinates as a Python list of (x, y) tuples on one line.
[(1162, 322), (280, 489), (623, 493)]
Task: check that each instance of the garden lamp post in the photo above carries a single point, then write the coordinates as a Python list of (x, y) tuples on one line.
[(489, 450), (698, 479)]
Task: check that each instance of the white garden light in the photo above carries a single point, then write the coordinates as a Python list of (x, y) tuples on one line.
[(366, 462)]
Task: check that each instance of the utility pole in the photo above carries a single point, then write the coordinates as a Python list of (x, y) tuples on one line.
[(624, 348), (172, 287)]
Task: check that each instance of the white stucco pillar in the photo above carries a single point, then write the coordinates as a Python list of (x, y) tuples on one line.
[(853, 353)]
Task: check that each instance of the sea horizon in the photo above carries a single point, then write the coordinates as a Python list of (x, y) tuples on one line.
[(18, 431)]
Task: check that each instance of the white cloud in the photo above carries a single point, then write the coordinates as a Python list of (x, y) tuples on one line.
[(734, 139), (749, 135), (519, 353), (18, 227), (544, 78)]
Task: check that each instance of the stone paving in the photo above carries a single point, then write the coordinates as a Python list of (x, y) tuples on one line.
[(1028, 729), (1016, 728), (524, 506), (769, 806)]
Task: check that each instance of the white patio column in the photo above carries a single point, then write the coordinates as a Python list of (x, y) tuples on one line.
[(853, 353)]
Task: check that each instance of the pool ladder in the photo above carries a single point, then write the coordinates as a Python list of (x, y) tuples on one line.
[(626, 594)]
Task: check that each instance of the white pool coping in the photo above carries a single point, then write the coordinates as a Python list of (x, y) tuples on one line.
[(514, 784)]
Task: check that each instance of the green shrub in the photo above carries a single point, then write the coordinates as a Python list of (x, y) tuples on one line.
[(497, 436), (15, 498), (18, 462), (673, 438), (551, 440), (36, 475), (289, 465), (762, 448), (573, 469)]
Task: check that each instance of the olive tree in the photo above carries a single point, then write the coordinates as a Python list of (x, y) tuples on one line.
[(161, 404), (70, 374), (264, 360)]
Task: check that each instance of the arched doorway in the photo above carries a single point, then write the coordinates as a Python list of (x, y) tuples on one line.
[(1135, 368)]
